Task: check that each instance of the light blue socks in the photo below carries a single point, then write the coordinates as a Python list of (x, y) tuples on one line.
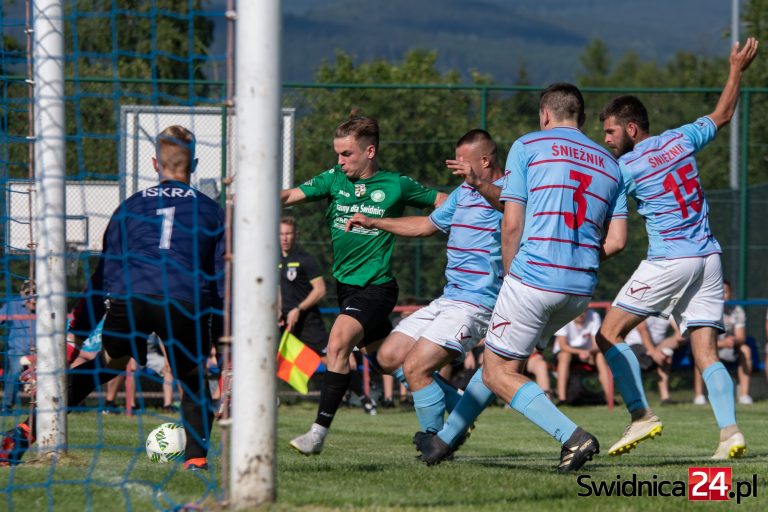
[(430, 407), (626, 376), (452, 395), (474, 401), (531, 401), (720, 391)]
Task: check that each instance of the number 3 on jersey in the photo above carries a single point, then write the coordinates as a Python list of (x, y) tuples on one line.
[(167, 228), (571, 220)]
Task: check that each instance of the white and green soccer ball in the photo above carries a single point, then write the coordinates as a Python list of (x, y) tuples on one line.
[(166, 443)]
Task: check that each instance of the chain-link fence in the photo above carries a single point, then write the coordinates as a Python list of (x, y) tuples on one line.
[(419, 126)]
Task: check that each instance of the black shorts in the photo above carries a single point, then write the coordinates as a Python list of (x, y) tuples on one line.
[(371, 306), (187, 336), (310, 329)]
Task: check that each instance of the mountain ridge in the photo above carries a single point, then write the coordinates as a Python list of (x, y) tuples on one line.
[(496, 37)]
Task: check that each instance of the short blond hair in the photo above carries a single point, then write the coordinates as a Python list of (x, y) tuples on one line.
[(365, 130), (179, 137)]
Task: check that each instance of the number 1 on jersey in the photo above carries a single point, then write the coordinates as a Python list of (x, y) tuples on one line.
[(167, 229)]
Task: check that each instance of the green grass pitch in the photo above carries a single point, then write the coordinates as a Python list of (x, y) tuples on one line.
[(369, 464)]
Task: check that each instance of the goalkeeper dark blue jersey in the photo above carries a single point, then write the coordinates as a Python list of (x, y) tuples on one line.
[(166, 241)]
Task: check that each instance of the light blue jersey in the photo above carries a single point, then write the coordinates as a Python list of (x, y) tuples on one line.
[(474, 271), (571, 189), (661, 174)]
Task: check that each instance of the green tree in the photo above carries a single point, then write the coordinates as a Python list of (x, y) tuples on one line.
[(596, 63), (513, 113), (756, 22), (14, 117), (144, 41)]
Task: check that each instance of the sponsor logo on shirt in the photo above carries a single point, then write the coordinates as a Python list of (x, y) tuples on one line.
[(378, 196)]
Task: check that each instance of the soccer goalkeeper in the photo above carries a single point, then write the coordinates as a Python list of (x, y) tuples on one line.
[(163, 273)]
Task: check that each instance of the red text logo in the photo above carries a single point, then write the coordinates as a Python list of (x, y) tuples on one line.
[(709, 484)]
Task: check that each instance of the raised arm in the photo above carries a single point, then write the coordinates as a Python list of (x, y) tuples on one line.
[(739, 60), (491, 193), (486, 189), (402, 226)]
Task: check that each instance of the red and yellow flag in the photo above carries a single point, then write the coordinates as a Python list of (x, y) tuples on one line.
[(296, 362)]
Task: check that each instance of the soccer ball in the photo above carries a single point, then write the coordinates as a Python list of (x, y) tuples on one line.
[(166, 443)]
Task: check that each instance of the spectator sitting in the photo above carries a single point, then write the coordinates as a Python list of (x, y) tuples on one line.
[(538, 367), (576, 343), (654, 349), (21, 332), (157, 363), (732, 348)]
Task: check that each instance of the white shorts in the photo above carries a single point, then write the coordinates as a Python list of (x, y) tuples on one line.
[(449, 323), (689, 289), (525, 318)]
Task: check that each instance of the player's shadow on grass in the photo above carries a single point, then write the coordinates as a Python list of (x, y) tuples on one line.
[(527, 462), (668, 460), (339, 467)]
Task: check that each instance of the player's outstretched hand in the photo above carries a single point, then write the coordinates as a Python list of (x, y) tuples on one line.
[(742, 58), (464, 169), (359, 219)]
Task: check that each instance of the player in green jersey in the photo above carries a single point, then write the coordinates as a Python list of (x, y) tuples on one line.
[(367, 291)]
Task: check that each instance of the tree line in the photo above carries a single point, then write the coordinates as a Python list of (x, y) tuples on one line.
[(144, 54)]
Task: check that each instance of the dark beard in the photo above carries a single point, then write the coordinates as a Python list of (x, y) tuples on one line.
[(625, 146)]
